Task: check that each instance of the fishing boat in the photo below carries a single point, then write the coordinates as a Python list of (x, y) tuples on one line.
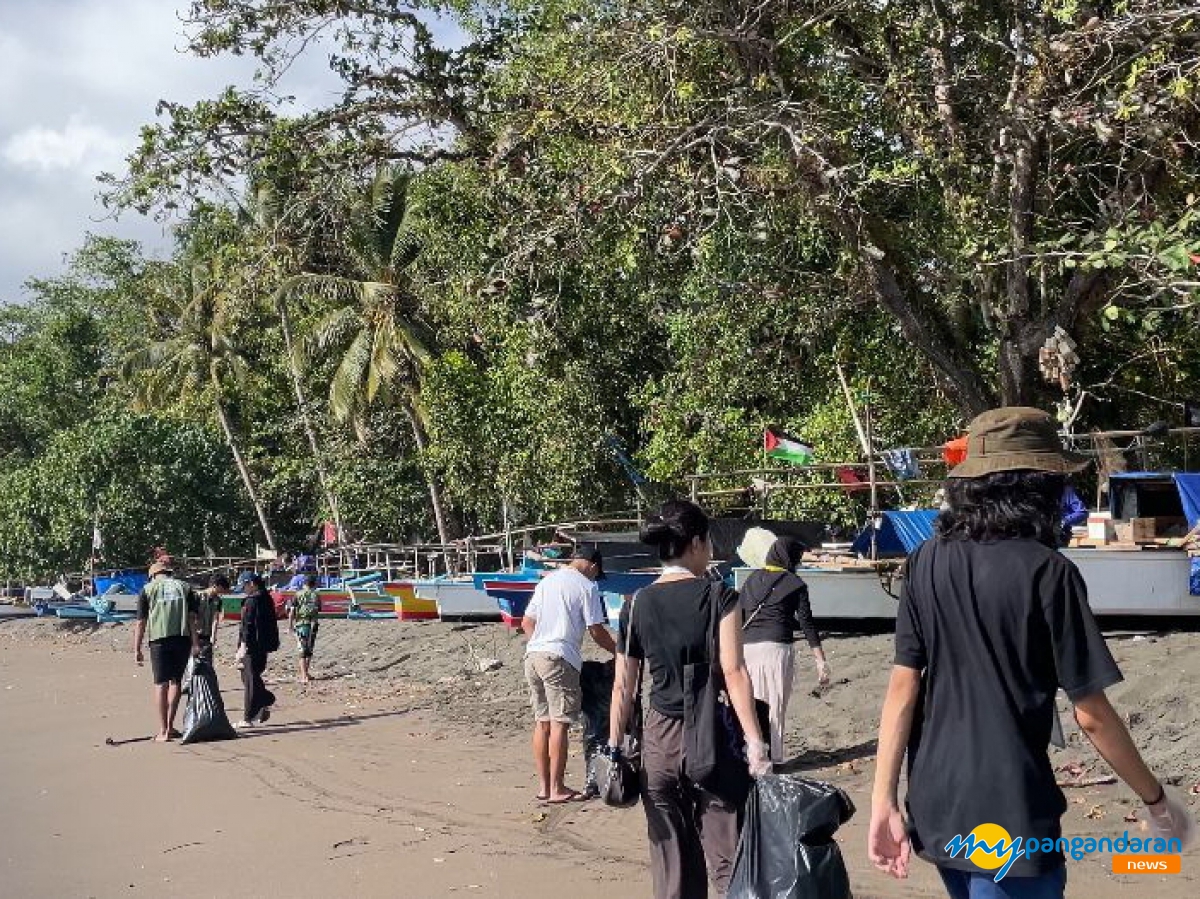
[(457, 599), (1150, 577)]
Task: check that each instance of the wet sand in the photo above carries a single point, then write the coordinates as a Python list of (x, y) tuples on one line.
[(405, 772)]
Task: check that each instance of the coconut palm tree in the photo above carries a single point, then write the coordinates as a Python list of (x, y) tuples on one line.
[(196, 357), (373, 329), (266, 211)]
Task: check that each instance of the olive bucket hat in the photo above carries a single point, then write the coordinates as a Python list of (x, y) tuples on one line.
[(1016, 439)]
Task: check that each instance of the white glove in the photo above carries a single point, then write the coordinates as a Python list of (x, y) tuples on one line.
[(758, 754), (1170, 818)]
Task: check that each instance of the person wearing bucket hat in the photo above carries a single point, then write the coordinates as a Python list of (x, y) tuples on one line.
[(168, 614), (992, 622)]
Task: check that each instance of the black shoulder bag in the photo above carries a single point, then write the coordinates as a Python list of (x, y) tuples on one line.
[(620, 787), (713, 740)]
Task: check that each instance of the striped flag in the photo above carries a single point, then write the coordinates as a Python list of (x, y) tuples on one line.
[(779, 445)]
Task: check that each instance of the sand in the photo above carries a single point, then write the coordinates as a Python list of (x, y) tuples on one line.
[(404, 772)]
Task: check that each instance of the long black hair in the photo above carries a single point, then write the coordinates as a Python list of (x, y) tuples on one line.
[(673, 528), (1004, 506)]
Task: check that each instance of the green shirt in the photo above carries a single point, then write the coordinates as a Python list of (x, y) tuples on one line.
[(209, 607), (306, 606), (167, 603)]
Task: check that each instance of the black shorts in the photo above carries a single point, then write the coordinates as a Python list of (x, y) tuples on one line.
[(168, 657)]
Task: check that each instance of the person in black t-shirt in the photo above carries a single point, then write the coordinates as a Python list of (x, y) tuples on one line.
[(693, 832), (992, 622), (774, 603)]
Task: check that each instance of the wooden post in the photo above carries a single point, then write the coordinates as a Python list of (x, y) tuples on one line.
[(865, 439), (858, 425), (874, 513)]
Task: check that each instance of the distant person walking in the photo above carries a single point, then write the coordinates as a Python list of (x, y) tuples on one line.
[(566, 603), (992, 622), (257, 638), (774, 604), (168, 615), (303, 616)]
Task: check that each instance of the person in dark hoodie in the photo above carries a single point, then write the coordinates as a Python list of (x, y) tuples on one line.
[(774, 604), (258, 637)]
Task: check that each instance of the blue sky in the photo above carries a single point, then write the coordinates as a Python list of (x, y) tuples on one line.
[(77, 80)]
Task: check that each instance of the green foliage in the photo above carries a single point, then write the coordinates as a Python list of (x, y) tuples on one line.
[(664, 222), (153, 481)]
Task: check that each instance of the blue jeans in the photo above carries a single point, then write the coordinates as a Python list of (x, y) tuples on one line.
[(969, 885)]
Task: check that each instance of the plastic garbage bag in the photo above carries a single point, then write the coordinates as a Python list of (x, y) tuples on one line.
[(185, 682), (204, 718), (787, 850)]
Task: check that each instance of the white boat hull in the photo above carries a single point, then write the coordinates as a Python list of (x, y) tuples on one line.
[(459, 600), (1119, 582)]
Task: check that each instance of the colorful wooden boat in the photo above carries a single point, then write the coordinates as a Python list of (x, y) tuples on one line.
[(458, 600), (512, 597)]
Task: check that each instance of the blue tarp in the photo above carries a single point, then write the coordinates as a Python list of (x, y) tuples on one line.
[(1189, 493), (899, 533), (128, 581)]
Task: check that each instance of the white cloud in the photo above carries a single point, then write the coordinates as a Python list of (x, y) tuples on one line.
[(78, 145), (78, 78)]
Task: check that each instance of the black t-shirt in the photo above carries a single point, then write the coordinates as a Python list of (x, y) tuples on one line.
[(997, 628), (785, 609), (670, 630)]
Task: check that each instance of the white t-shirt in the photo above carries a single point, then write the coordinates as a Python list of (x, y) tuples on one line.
[(565, 604)]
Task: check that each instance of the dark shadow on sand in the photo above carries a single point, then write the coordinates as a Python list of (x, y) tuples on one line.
[(299, 727), (827, 758)]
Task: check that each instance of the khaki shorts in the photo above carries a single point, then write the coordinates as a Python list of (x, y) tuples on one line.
[(553, 687)]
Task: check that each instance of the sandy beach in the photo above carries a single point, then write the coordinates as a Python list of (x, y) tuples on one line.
[(404, 772)]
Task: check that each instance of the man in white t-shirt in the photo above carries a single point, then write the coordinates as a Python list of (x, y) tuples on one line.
[(565, 603)]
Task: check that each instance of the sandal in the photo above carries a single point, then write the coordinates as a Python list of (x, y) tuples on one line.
[(573, 796)]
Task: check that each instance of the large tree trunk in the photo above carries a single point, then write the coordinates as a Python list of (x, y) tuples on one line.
[(435, 493), (243, 470), (306, 420)]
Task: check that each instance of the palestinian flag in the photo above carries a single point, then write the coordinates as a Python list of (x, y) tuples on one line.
[(786, 447)]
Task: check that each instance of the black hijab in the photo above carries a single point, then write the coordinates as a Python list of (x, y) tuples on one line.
[(785, 553)]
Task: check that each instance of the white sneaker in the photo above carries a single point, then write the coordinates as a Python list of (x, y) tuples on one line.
[(242, 725)]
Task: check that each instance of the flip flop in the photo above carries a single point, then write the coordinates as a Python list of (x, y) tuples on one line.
[(541, 798), (575, 796), (175, 735)]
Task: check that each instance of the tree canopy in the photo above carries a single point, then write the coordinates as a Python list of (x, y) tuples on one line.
[(526, 228)]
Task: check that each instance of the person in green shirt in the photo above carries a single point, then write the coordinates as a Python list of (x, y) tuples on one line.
[(303, 613), (168, 614), (211, 613)]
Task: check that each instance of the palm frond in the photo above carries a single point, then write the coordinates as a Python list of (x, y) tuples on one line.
[(408, 334), (346, 388), (334, 288), (331, 333), (148, 358), (406, 247)]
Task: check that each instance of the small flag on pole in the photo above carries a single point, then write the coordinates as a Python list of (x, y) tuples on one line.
[(779, 445)]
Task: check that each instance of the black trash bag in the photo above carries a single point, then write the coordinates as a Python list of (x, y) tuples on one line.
[(787, 850), (595, 686), (204, 718), (185, 682)]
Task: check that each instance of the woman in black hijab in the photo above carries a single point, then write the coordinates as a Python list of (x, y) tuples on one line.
[(774, 603)]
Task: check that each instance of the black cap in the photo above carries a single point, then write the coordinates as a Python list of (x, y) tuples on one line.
[(590, 554)]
